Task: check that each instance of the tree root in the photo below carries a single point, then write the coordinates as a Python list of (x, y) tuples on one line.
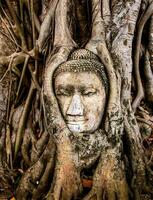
[(19, 135), (16, 59), (150, 45), (29, 181), (122, 53), (22, 76), (38, 147), (45, 179), (18, 25), (6, 182), (46, 26), (136, 152), (37, 173), (149, 78), (109, 180), (142, 22), (66, 182), (26, 147)]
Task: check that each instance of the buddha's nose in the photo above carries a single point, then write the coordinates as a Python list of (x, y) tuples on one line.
[(76, 106)]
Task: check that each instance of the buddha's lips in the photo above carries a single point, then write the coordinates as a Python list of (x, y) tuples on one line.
[(75, 121)]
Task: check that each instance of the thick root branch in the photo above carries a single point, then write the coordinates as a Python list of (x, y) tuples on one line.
[(149, 78), (109, 180), (140, 92), (45, 179), (136, 152), (66, 183), (26, 147), (38, 173)]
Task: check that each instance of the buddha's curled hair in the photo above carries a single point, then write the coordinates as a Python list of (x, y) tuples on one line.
[(83, 60)]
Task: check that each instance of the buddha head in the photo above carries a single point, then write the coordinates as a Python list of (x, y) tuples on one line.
[(81, 88)]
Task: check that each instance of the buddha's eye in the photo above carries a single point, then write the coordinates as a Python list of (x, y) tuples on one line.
[(89, 93), (63, 92)]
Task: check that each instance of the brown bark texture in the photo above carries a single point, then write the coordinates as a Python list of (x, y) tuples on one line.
[(37, 160)]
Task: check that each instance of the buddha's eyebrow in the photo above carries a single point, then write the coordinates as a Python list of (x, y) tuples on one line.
[(85, 87), (67, 87)]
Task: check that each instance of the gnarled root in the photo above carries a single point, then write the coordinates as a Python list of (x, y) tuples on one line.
[(109, 180), (25, 147), (137, 162), (38, 173), (44, 181), (66, 183), (149, 78), (39, 146), (142, 22)]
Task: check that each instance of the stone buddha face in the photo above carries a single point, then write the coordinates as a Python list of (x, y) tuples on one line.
[(81, 97)]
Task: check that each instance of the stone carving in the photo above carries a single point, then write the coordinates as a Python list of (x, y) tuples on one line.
[(81, 87)]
